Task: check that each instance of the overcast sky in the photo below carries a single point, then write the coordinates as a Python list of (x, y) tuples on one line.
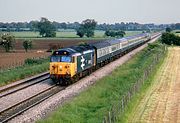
[(103, 11)]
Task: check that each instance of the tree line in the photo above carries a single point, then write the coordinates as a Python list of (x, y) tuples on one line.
[(130, 26)]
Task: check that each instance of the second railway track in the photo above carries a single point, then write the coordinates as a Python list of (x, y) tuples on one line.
[(23, 84), (13, 110)]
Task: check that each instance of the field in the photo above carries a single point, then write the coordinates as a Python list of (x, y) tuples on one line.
[(160, 104), (65, 34), (9, 60)]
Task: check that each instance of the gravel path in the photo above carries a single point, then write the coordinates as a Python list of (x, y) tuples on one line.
[(161, 103), (23, 94), (45, 108)]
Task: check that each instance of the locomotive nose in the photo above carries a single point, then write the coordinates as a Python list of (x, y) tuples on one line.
[(60, 68)]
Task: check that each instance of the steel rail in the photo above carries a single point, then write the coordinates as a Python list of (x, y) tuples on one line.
[(2, 89), (16, 89), (28, 99)]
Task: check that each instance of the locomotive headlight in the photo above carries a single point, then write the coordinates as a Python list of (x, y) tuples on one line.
[(60, 68)]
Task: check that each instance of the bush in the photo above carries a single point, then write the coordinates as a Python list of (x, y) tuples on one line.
[(27, 44), (170, 38), (113, 33), (7, 41), (152, 45), (31, 61)]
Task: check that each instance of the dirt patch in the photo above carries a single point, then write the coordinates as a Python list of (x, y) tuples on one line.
[(161, 103), (44, 44), (9, 60)]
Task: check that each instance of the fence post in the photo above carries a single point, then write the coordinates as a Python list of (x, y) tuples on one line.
[(129, 96), (104, 120), (122, 101), (113, 115), (109, 117)]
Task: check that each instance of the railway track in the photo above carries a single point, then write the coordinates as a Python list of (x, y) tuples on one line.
[(23, 84), (19, 107), (16, 109)]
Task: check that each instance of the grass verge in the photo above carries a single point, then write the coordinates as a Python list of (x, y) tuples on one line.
[(28, 69), (91, 105), (128, 113)]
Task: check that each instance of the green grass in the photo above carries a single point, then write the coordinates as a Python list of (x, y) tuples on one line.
[(65, 34), (92, 105), (22, 72), (128, 113)]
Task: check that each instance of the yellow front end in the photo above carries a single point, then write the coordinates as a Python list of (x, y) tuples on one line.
[(62, 69)]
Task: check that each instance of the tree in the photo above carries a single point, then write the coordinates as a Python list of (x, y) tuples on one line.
[(46, 28), (33, 25), (168, 29), (64, 25), (7, 41), (80, 32), (87, 28), (113, 33), (120, 33), (177, 26), (27, 44), (170, 38)]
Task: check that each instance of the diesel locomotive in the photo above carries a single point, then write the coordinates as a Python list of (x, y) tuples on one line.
[(69, 64)]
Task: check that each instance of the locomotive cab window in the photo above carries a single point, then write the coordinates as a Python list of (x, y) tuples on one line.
[(55, 59), (60, 59), (65, 59)]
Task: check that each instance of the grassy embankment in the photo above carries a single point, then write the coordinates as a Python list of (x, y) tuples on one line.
[(92, 105), (124, 118), (28, 69)]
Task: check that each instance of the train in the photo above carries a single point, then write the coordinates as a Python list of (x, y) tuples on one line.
[(68, 65)]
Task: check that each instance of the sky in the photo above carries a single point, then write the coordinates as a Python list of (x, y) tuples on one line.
[(103, 11)]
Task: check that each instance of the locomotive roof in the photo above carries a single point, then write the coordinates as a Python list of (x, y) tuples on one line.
[(81, 48), (73, 50), (100, 44)]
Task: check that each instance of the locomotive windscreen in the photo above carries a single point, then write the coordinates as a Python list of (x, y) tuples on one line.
[(60, 59)]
